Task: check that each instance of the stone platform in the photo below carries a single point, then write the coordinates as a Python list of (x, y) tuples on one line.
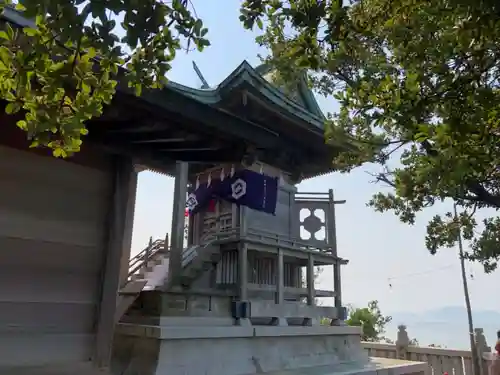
[(80, 368), (169, 333), (374, 366), (245, 350)]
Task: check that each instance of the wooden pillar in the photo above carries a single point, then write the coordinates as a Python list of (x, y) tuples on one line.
[(243, 256), (332, 241), (117, 237), (235, 220), (310, 281), (190, 220), (280, 278), (178, 219), (147, 254), (129, 223), (243, 270), (217, 216), (331, 226), (337, 284), (166, 244), (197, 224)]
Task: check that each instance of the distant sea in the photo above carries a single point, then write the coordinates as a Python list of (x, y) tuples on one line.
[(446, 327)]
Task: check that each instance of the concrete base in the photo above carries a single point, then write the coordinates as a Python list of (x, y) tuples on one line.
[(243, 350), (85, 368), (374, 366), (187, 334)]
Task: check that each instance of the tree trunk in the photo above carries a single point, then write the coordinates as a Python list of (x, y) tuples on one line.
[(473, 348)]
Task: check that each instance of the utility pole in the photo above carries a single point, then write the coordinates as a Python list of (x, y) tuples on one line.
[(473, 348)]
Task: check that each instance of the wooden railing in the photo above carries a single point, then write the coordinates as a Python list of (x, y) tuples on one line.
[(140, 260), (441, 360)]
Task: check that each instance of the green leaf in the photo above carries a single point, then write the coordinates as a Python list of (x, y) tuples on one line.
[(30, 31), (10, 32), (58, 153), (39, 19), (138, 89), (91, 52), (4, 55), (85, 88), (22, 124), (12, 108), (420, 137), (412, 100), (259, 23), (20, 7)]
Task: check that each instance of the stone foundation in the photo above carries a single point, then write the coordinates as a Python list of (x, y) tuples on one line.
[(83, 368), (182, 334), (233, 350), (374, 366), (321, 350)]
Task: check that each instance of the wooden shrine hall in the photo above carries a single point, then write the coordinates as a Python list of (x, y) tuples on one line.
[(235, 297)]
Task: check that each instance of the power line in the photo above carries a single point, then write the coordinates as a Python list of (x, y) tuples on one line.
[(423, 272), (416, 274)]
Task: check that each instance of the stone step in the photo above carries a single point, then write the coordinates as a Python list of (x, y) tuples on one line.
[(73, 368), (158, 261), (201, 262), (133, 287), (374, 366), (137, 276)]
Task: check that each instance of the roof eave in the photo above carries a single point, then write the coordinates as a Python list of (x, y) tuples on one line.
[(245, 75), (304, 91)]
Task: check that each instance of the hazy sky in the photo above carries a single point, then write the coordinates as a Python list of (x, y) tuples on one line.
[(378, 246)]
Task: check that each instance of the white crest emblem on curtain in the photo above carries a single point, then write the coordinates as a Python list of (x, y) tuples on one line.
[(191, 202), (238, 188)]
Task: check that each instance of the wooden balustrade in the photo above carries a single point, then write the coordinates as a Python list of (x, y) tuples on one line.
[(440, 360)]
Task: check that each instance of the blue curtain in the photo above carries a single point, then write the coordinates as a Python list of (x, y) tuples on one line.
[(251, 189), (247, 188), (200, 198)]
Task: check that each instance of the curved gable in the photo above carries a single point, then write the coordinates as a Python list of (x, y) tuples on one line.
[(301, 93)]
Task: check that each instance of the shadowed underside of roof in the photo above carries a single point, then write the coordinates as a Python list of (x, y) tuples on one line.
[(206, 127)]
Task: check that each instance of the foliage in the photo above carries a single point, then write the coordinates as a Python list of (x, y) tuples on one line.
[(415, 80), (418, 87), (371, 320), (61, 72)]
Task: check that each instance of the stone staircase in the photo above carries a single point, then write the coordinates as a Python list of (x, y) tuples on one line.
[(149, 271), (196, 260)]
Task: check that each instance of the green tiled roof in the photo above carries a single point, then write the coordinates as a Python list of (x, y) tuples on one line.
[(303, 105)]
